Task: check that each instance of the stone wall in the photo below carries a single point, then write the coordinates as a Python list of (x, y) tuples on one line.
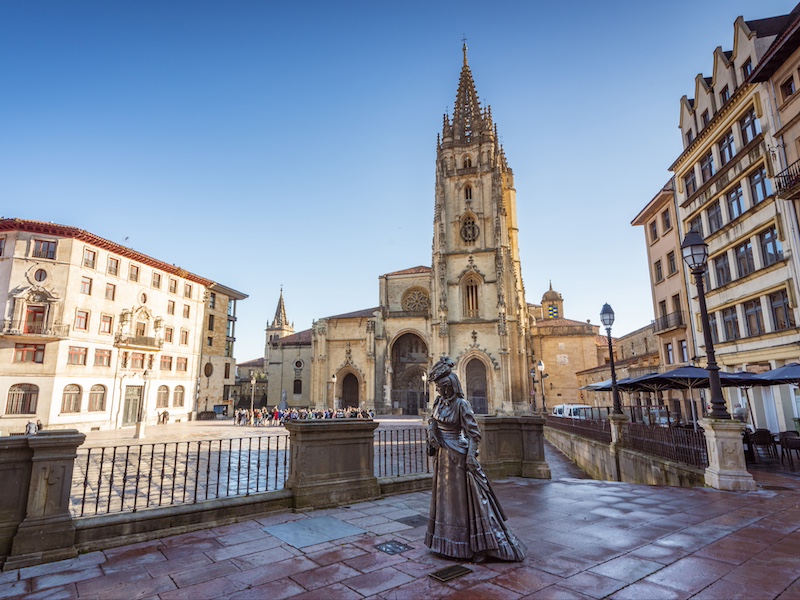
[(597, 459)]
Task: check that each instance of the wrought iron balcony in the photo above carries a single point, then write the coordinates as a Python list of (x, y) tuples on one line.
[(138, 341), (25, 329), (788, 182), (670, 321)]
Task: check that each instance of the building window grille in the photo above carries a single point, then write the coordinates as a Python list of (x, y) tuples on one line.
[(71, 399)]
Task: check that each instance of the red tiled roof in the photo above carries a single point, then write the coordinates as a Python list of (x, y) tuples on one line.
[(560, 323), (256, 362), (301, 338), (90, 238), (358, 314), (412, 271)]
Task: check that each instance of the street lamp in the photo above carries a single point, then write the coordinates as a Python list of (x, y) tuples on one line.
[(607, 318), (252, 392), (533, 387), (333, 387), (542, 375), (695, 254), (140, 420)]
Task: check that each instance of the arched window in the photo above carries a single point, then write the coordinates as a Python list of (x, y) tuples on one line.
[(97, 397), (468, 192), (467, 162), (162, 398), (471, 292), (22, 398), (71, 400), (298, 386), (177, 396)]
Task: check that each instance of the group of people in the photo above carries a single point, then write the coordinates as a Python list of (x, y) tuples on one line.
[(265, 417)]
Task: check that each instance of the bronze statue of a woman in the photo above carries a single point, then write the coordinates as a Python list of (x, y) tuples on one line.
[(466, 520)]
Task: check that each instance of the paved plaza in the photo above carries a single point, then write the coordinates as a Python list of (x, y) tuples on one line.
[(585, 538)]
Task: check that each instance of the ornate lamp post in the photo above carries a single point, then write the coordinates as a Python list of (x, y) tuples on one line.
[(542, 375), (252, 392), (333, 387), (607, 318), (695, 254), (425, 388), (533, 388)]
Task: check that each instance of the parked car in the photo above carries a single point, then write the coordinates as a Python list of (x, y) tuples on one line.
[(572, 411)]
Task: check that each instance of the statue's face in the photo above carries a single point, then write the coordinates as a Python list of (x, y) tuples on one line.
[(444, 387)]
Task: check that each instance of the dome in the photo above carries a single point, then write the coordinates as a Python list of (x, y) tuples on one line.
[(551, 295)]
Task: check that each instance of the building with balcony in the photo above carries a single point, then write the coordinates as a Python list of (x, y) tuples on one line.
[(724, 189), (672, 326), (96, 335)]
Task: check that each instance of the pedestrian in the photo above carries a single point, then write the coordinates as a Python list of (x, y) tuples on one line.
[(30, 428)]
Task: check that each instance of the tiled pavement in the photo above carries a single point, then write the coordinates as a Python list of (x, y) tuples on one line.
[(586, 539)]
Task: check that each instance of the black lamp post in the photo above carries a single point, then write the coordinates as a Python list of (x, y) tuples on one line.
[(607, 318), (542, 375), (695, 254), (533, 387)]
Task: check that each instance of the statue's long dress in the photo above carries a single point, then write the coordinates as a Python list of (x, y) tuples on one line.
[(466, 518)]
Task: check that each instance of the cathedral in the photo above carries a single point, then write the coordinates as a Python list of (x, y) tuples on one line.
[(469, 304)]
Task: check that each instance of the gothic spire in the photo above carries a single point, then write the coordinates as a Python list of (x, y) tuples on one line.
[(280, 319), (469, 121)]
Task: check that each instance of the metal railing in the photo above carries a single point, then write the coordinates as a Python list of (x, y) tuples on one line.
[(674, 319), (788, 180), (599, 430), (140, 341), (401, 452), (32, 328), (679, 444), (135, 477)]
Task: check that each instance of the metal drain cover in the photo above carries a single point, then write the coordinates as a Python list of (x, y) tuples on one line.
[(393, 547), (450, 573), (413, 521)]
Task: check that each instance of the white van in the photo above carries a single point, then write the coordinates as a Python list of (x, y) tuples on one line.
[(572, 411)]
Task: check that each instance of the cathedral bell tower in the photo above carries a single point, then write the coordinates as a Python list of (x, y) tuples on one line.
[(478, 309)]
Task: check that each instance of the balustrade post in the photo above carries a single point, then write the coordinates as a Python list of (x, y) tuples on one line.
[(618, 424), (332, 462), (726, 464), (47, 533)]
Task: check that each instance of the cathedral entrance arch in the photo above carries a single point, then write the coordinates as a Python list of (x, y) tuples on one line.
[(349, 391), (409, 363), (476, 386)]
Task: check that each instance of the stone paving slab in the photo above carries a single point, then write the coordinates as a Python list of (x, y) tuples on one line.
[(587, 539)]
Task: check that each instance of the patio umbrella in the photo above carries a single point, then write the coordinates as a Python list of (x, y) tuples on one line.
[(787, 374)]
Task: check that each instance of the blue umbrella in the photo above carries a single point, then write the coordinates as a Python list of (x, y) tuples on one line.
[(789, 373)]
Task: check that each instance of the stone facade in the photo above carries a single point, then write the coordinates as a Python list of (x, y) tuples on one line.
[(469, 304), (94, 332), (724, 188)]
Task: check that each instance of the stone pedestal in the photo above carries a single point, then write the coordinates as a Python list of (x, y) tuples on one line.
[(47, 533), (726, 465), (15, 478), (617, 423), (513, 447), (331, 462)]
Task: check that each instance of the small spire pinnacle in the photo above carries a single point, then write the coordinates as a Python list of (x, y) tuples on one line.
[(464, 49)]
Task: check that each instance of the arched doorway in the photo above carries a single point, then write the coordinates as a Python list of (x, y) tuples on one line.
[(409, 362), (349, 391), (476, 386)]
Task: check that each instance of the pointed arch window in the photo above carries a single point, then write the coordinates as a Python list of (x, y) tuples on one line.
[(471, 289), (467, 162), (468, 192)]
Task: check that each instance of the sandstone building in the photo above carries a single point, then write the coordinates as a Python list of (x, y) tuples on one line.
[(468, 304), (99, 336)]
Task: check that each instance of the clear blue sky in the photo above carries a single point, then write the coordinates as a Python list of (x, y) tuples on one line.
[(263, 144)]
